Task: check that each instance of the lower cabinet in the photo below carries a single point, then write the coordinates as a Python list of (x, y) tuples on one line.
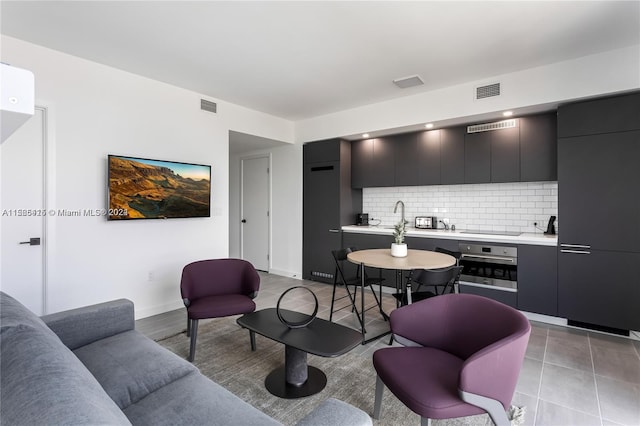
[(538, 279), (600, 288)]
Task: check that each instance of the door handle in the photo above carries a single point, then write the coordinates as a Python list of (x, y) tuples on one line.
[(244, 221), (32, 241)]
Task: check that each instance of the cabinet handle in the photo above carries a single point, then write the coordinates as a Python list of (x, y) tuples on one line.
[(576, 246), (575, 251), (334, 230)]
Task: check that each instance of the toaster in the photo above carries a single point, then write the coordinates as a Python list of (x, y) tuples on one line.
[(426, 222)]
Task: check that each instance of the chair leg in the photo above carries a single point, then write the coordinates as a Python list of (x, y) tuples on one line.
[(188, 326), (424, 421), (252, 338), (192, 345), (377, 405), (333, 295)]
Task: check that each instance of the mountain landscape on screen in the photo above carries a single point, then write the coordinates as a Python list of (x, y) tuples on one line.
[(151, 189)]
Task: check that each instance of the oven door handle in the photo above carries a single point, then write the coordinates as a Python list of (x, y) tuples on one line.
[(478, 256)]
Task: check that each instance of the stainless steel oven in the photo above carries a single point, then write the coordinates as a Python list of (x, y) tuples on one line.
[(489, 266)]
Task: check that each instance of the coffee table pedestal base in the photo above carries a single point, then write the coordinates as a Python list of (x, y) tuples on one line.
[(296, 379)]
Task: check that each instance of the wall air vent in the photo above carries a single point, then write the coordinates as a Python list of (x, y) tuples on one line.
[(488, 91), (208, 106), (486, 127)]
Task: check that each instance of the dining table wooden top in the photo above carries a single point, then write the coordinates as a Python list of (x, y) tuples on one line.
[(415, 259)]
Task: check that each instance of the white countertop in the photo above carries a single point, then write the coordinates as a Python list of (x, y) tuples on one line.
[(526, 238)]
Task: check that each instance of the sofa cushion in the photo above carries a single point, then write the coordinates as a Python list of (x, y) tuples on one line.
[(195, 400), (129, 366), (42, 381)]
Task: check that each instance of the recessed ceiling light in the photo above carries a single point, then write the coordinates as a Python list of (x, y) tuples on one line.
[(429, 126), (507, 113), (365, 135)]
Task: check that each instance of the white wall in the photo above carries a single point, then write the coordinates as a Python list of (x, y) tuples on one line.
[(96, 111), (286, 208), (612, 71)]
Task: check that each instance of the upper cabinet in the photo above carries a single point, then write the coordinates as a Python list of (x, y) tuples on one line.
[(452, 155), (538, 148), (525, 153), (615, 114)]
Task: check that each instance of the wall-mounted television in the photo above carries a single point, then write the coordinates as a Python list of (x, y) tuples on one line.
[(141, 188)]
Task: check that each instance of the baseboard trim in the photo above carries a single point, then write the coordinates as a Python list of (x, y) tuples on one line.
[(159, 309), (288, 274)]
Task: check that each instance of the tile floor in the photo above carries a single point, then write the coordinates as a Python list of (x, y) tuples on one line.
[(569, 376)]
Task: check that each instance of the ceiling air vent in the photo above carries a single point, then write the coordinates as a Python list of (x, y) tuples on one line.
[(404, 82), (505, 124), (208, 106), (488, 91)]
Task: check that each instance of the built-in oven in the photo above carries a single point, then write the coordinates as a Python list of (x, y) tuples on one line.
[(489, 266)]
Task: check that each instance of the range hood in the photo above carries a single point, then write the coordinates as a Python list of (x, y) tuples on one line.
[(17, 98)]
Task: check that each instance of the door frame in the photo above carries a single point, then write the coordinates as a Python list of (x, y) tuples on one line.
[(269, 203), (47, 156)]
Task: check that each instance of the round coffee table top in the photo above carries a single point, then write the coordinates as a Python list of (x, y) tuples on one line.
[(415, 259)]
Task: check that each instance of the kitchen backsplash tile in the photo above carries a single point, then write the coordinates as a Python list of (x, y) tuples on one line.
[(512, 207)]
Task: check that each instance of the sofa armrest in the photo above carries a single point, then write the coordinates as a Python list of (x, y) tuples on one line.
[(336, 413), (81, 326)]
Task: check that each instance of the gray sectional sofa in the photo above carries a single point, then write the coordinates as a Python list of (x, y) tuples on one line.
[(89, 366)]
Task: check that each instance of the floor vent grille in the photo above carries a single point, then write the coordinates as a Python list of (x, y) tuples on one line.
[(486, 127), (488, 91), (208, 106)]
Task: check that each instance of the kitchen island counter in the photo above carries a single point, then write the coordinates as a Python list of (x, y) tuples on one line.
[(461, 235)]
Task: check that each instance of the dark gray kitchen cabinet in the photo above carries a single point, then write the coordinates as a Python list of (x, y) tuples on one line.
[(538, 148), (599, 287), (431, 243), (328, 203), (373, 163), (477, 157), (604, 115), (361, 163), (383, 165), (428, 157), (598, 208), (452, 158), (505, 155), (407, 161), (538, 279), (598, 201)]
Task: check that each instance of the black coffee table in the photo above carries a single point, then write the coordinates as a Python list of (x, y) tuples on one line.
[(296, 379)]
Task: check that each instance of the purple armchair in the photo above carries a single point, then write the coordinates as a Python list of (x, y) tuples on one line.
[(217, 288), (462, 356)]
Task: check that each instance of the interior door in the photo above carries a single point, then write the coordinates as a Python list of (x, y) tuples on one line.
[(23, 217), (255, 212)]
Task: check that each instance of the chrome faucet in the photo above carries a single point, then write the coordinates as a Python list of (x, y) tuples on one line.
[(395, 210)]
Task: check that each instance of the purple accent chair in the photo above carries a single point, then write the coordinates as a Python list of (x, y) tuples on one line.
[(462, 356), (217, 288)]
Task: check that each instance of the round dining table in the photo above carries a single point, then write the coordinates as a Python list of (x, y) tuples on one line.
[(382, 259)]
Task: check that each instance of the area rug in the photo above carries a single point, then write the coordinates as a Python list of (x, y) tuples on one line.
[(224, 355)]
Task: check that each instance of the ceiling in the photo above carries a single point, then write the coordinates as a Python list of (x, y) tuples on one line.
[(297, 60)]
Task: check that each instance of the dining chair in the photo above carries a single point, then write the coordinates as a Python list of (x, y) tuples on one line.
[(462, 356), (217, 288), (442, 281), (348, 275)]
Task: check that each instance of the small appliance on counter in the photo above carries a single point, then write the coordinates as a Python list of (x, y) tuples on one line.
[(426, 222), (362, 219)]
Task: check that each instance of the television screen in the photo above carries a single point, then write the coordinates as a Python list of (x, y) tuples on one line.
[(141, 188)]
